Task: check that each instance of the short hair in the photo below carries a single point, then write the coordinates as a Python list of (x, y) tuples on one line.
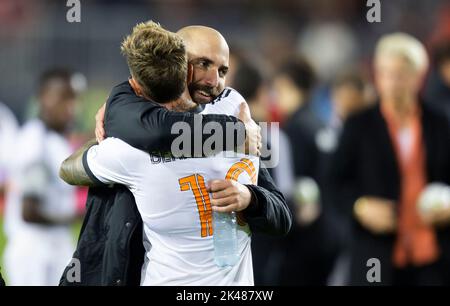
[(157, 60), (300, 71), (349, 78), (247, 80), (47, 76), (403, 45)]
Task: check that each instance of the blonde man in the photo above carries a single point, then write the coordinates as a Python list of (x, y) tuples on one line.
[(386, 158), (157, 61)]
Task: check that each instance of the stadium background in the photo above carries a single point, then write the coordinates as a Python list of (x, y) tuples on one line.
[(35, 36)]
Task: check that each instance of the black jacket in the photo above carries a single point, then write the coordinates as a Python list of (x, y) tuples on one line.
[(110, 246), (365, 164), (107, 248)]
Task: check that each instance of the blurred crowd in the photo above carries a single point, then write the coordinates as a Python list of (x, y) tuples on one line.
[(359, 184), (364, 139)]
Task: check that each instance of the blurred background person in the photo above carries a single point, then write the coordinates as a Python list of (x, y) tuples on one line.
[(348, 95), (310, 249), (332, 35), (437, 92), (41, 207), (292, 87), (8, 129), (386, 157), (249, 81), (319, 42)]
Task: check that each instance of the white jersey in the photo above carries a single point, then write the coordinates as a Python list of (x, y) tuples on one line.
[(37, 254), (37, 145), (175, 207), (8, 130)]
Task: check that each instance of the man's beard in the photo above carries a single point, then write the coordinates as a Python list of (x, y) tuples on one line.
[(202, 94)]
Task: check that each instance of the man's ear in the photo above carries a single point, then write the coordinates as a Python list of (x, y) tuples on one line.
[(190, 73), (136, 87)]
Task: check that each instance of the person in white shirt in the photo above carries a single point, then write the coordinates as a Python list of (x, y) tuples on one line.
[(8, 130), (172, 198), (40, 207), (172, 193)]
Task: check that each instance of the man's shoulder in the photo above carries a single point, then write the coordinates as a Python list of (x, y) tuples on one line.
[(229, 94), (114, 158), (123, 94), (123, 152), (227, 103), (118, 146)]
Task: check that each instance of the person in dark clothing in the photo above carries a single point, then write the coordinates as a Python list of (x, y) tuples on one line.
[(292, 86), (266, 249), (348, 97), (437, 90), (387, 156), (312, 245), (267, 213)]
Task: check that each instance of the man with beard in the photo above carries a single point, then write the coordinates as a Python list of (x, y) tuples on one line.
[(141, 124)]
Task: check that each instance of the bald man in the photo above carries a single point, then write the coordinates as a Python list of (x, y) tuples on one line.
[(208, 53), (264, 207), (208, 57)]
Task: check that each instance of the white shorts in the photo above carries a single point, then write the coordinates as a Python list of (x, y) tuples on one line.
[(33, 261)]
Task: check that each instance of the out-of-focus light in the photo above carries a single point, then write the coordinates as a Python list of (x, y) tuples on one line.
[(78, 82)]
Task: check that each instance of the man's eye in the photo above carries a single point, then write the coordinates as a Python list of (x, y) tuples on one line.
[(203, 64), (223, 72)]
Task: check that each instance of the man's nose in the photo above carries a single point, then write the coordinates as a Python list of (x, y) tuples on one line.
[(212, 78)]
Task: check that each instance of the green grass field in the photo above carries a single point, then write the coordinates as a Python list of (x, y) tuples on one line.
[(2, 244)]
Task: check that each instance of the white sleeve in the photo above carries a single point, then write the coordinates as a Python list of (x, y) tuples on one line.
[(227, 103), (110, 162)]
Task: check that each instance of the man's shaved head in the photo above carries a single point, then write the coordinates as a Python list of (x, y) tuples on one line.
[(198, 37), (208, 53)]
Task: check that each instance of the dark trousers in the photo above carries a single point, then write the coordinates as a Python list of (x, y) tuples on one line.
[(429, 275)]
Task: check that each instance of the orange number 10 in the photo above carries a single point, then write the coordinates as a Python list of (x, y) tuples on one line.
[(196, 183)]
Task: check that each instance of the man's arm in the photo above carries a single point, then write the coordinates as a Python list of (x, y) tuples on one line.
[(72, 170), (264, 206), (34, 183), (268, 213), (147, 125), (31, 212), (99, 164)]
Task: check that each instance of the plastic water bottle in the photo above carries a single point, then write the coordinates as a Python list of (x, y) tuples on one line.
[(225, 239)]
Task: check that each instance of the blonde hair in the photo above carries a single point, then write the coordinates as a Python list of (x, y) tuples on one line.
[(403, 45), (157, 61)]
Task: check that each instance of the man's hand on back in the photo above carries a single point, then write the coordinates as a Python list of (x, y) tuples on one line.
[(253, 131), (252, 138)]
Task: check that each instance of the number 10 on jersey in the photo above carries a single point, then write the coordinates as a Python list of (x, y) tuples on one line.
[(196, 183)]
